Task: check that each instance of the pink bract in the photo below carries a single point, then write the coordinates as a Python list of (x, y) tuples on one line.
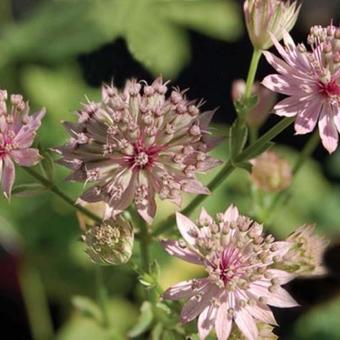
[(137, 143), (17, 132), (311, 79), (241, 282)]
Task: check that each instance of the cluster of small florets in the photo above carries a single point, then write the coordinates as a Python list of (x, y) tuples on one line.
[(137, 143), (241, 282), (110, 242), (17, 132)]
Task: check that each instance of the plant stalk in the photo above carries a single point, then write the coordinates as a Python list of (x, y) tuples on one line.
[(53, 188), (102, 295)]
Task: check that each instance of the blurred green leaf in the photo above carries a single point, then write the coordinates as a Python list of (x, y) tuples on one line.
[(28, 190), (144, 322), (322, 322), (87, 307), (47, 164), (216, 18), (58, 30)]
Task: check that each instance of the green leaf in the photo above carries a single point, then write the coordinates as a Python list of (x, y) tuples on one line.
[(86, 307), (167, 53), (261, 149), (47, 164), (28, 190), (238, 134), (155, 270), (144, 322), (216, 18), (154, 30), (321, 322), (157, 332)]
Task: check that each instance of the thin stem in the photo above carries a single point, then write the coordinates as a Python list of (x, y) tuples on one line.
[(35, 302), (252, 72), (282, 196), (227, 169), (102, 295), (53, 188), (144, 246)]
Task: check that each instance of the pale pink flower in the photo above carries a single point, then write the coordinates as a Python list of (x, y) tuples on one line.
[(265, 16), (17, 132), (137, 143), (241, 282), (311, 79)]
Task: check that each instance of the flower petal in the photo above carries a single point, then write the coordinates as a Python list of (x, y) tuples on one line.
[(8, 176), (198, 303), (223, 322), (174, 249), (26, 157), (328, 132), (247, 325), (184, 289), (187, 228), (206, 321)]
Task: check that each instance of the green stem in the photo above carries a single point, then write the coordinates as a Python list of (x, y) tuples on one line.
[(252, 72), (282, 196), (35, 302), (144, 246), (227, 169), (53, 188), (102, 295)]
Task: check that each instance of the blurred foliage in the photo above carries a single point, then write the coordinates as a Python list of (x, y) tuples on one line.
[(321, 322), (153, 29)]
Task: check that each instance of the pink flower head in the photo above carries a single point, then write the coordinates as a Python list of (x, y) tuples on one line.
[(137, 143), (241, 282), (311, 79), (264, 16), (17, 132)]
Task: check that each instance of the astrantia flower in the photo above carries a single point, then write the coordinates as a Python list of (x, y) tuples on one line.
[(265, 16), (17, 132), (241, 282), (311, 79), (270, 172), (305, 257), (265, 332), (137, 143)]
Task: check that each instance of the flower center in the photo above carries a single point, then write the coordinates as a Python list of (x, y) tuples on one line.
[(5, 145), (230, 261), (329, 89), (141, 159)]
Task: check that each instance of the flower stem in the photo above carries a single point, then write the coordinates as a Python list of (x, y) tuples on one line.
[(35, 302), (282, 196), (227, 169), (144, 246), (53, 188), (102, 296), (252, 72)]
